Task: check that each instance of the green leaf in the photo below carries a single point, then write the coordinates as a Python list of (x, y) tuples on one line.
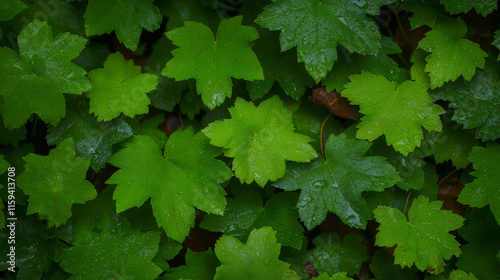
[(184, 177), (199, 266), (423, 239), (417, 70), (331, 255), (281, 67), (349, 64), (127, 19), (485, 188), (424, 13), (119, 87), (227, 55), (383, 268), (317, 27), (477, 102), (461, 275), (260, 139), (10, 8), (34, 81), (336, 276), (451, 54), (93, 140), (179, 11), (4, 165), (56, 182), (479, 255), (452, 143), (257, 259), (397, 111), (335, 183), (11, 137), (484, 7), (244, 212), (149, 126), (119, 254)]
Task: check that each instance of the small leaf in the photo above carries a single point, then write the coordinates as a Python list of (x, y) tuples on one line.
[(227, 55), (396, 111), (423, 239), (257, 259), (260, 139), (56, 182), (119, 87), (451, 54)]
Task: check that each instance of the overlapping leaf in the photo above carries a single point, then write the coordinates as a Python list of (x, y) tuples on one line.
[(451, 54), (200, 266), (56, 182), (485, 189), (423, 239), (317, 27), (257, 259), (477, 102), (260, 139), (336, 182), (227, 55), (34, 80), (396, 111), (483, 7), (119, 87), (184, 177), (93, 140), (127, 19), (9, 8)]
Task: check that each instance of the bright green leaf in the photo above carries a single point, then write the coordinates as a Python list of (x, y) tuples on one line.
[(423, 239), (331, 255), (227, 55), (397, 111), (34, 81), (484, 7), (256, 260), (477, 102), (93, 140), (10, 8), (260, 139), (335, 183), (127, 19), (451, 55), (185, 176), (119, 87), (199, 266), (485, 189), (120, 254), (56, 182), (317, 27), (244, 212)]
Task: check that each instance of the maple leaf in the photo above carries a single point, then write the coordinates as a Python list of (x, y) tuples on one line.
[(336, 182), (477, 102), (423, 239), (10, 8), (34, 80), (127, 19), (317, 27), (245, 212), (122, 253), (397, 111), (184, 177), (119, 87), (55, 182), (227, 55), (331, 255), (257, 259), (260, 139), (451, 54), (93, 140), (483, 7), (485, 189)]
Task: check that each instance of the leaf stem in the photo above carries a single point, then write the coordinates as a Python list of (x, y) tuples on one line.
[(321, 136)]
